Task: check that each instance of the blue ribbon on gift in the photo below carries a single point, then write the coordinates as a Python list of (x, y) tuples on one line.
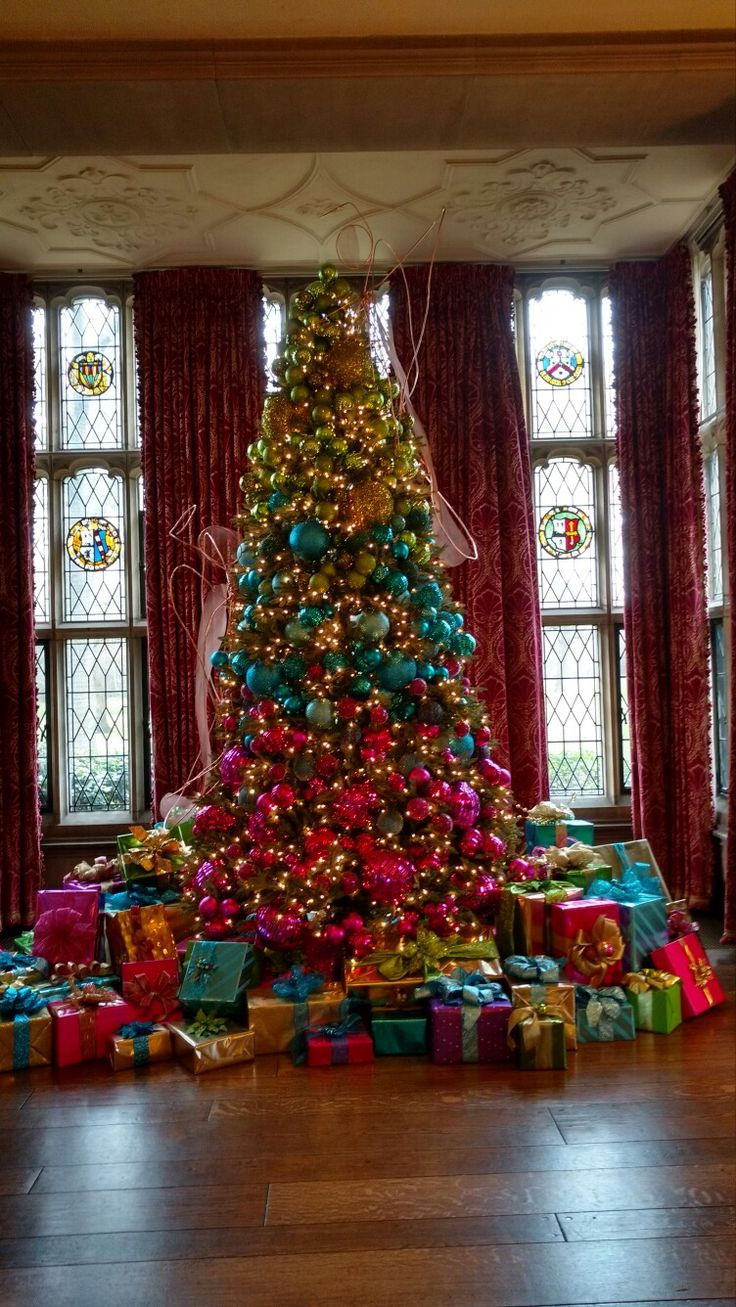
[(297, 985), (20, 1000), (23, 962), (338, 1036), (138, 895), (21, 1041), (471, 992), (138, 1031), (535, 970), (602, 1007), (635, 886)]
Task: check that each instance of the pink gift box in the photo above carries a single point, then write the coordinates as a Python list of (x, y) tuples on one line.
[(594, 920), (67, 924), (82, 1034), (457, 1036), (686, 958), (151, 988)]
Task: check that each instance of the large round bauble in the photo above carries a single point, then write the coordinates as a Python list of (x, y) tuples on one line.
[(397, 672), (387, 877), (309, 539), (373, 625), (320, 714), (208, 906), (297, 633), (284, 930), (464, 805), (262, 679), (229, 907), (368, 503), (463, 746), (232, 765), (390, 823)]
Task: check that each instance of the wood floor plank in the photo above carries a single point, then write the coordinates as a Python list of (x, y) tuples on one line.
[(473, 1195), (17, 1179), (610, 1122), (432, 1161), (158, 1111), (207, 1206), (193, 1244), (644, 1271), (648, 1223)]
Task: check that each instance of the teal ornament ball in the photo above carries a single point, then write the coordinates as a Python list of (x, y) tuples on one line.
[(382, 534), (294, 668), (277, 500), (334, 662), (361, 686), (397, 583), (429, 595), (368, 660), (320, 714), (240, 663), (294, 705), (463, 746), (309, 539), (244, 555), (296, 633), (310, 615), (400, 549), (219, 658), (373, 625), (467, 644), (397, 672), (260, 678), (380, 574), (281, 582), (404, 710), (390, 823)]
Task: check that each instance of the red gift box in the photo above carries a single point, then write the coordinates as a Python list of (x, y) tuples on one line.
[(686, 958), (152, 989), (587, 933), (81, 1032), (66, 924), (323, 1050)]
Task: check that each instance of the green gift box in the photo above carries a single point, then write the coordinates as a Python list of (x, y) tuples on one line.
[(548, 834), (216, 978), (400, 1032), (655, 1009), (161, 849), (603, 1015), (582, 877)]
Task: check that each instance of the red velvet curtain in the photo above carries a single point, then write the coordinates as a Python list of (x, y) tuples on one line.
[(665, 616), (20, 822), (468, 397), (200, 381), (728, 195)]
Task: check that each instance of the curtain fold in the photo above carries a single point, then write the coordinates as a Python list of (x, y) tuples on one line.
[(20, 822), (728, 196), (200, 389), (665, 614), (468, 396)]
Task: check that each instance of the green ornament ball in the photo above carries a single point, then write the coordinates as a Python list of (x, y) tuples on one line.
[(373, 625), (397, 672), (320, 714)]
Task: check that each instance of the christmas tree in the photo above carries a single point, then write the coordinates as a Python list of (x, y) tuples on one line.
[(356, 799)]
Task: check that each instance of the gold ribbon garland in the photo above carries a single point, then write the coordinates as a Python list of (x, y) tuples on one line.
[(424, 955)]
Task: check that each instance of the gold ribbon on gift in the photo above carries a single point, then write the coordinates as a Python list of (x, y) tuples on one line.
[(700, 970), (648, 978), (592, 954), (156, 851), (66, 971), (551, 1008), (424, 955)]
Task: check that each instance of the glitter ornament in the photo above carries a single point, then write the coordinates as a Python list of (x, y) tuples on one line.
[(387, 877)]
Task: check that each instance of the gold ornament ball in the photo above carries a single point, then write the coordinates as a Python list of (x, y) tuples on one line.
[(350, 363), (276, 415), (370, 502)]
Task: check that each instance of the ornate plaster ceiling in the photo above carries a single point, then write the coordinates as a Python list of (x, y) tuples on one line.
[(286, 212)]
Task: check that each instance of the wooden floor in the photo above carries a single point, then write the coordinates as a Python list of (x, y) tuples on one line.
[(399, 1185)]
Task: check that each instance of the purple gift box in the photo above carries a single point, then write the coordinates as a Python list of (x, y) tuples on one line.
[(67, 922), (462, 1032)]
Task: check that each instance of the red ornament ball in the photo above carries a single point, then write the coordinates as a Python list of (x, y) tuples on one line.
[(208, 906), (218, 928), (347, 708), (378, 715), (462, 728), (418, 687), (387, 877), (420, 777), (334, 936), (350, 883), (229, 907), (418, 809), (442, 823), (353, 921)]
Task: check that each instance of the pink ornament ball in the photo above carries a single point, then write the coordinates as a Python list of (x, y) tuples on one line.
[(206, 871), (418, 687), (493, 846), (417, 809), (464, 805), (520, 869), (208, 906), (490, 771), (230, 907), (505, 776), (387, 877), (442, 823), (362, 944), (212, 818), (471, 842), (218, 928), (233, 765), (334, 936), (353, 922), (420, 776), (282, 929), (408, 924), (283, 796), (462, 728), (440, 791)]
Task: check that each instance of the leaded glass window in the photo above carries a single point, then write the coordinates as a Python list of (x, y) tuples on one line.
[(94, 562), (720, 704), (98, 776), (559, 350), (41, 531), (42, 723), (623, 711), (91, 379), (713, 527), (40, 411), (609, 393), (573, 693), (708, 402), (273, 330), (615, 538), (566, 543)]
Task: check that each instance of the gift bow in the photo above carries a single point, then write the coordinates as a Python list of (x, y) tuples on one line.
[(206, 1027), (144, 993), (472, 991), (90, 995), (138, 896), (602, 1007), (155, 850), (424, 955), (536, 970), (20, 1000), (136, 1029), (636, 885), (64, 933), (79, 970), (640, 981), (545, 813), (23, 962), (531, 1015), (592, 954), (297, 985), (340, 1031)]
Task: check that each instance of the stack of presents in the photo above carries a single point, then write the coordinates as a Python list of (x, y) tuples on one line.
[(595, 953)]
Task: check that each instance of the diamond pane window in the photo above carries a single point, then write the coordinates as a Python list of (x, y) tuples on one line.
[(94, 575), (560, 373), (90, 380), (41, 594), (42, 735), (607, 345), (378, 329), (720, 704), (566, 547), (273, 331), (707, 345), (96, 679), (623, 709), (713, 526), (616, 538), (40, 406), (572, 686)]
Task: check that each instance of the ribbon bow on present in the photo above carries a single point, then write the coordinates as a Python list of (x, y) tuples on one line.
[(64, 933), (297, 985), (136, 1030), (636, 885), (592, 954), (602, 1007), (20, 1000), (531, 1015), (538, 970), (679, 921), (23, 962), (648, 978), (144, 992), (156, 851), (206, 1027), (79, 970), (423, 956), (340, 1031), (136, 896), (545, 813), (93, 873), (90, 995), (475, 990)]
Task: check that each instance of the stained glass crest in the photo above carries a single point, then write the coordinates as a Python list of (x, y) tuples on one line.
[(559, 363), (90, 373), (93, 543), (565, 532)]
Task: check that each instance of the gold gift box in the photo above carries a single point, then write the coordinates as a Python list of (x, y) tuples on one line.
[(559, 1001), (40, 1042), (140, 935), (122, 1051), (368, 983), (213, 1052), (272, 1018)]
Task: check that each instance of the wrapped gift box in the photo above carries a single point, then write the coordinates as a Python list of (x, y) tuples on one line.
[(279, 1022), (687, 959), (216, 978), (138, 1044), (147, 854), (643, 913), (346, 1042), (140, 935), (467, 1033), (548, 834), (22, 968), (623, 855), (212, 1044), (538, 1034), (400, 1032), (656, 1000), (152, 989), (82, 1030), (391, 977), (523, 921), (582, 877), (603, 1015), (587, 932), (66, 924), (537, 970), (25, 1028), (556, 1000)]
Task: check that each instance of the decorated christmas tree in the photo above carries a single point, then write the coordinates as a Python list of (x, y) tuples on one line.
[(356, 799)]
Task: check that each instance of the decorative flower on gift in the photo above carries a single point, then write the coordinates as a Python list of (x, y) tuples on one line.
[(63, 935)]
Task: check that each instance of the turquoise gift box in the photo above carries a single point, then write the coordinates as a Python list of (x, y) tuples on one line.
[(603, 1015), (642, 912), (400, 1032), (216, 978), (548, 834)]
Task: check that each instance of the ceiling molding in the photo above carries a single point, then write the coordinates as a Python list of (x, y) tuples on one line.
[(379, 57)]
